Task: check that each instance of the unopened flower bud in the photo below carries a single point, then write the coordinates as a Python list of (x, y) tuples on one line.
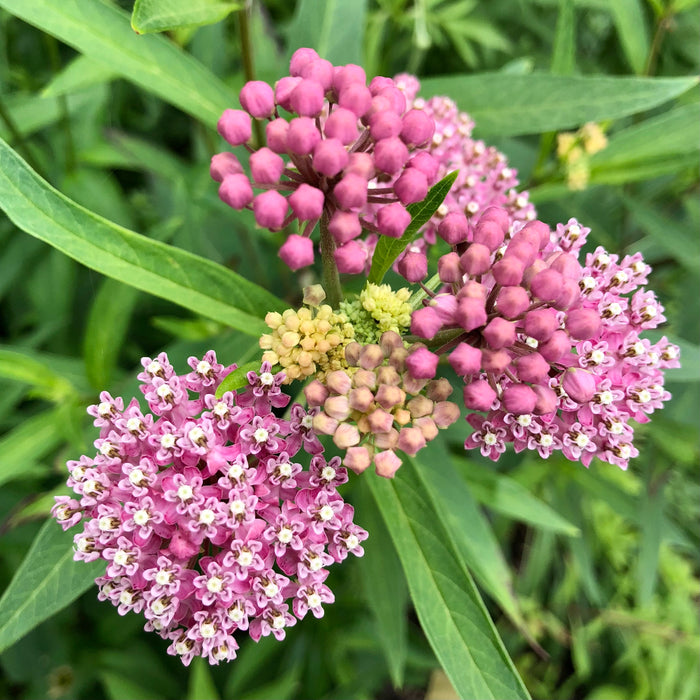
[(476, 260), (386, 463), (425, 323), (512, 301), (541, 229), (346, 435), (380, 421), (390, 155), (454, 228), (315, 393), (532, 368), (357, 459), (384, 125), (283, 91), (478, 395), (508, 271), (302, 136), (342, 125), (449, 268), (350, 258), (583, 324), (417, 128), (411, 441), (324, 424), (496, 361), (489, 233), (236, 191), (266, 166), (270, 210), (392, 220), (320, 70), (307, 202), (330, 157), (445, 414), (257, 98), (427, 426), (411, 186), (541, 323), (465, 359), (234, 126), (422, 363), (519, 399), (344, 226), (360, 399), (276, 135), (427, 164), (351, 191), (371, 356), (300, 58), (338, 382), (388, 396), (413, 265), (297, 251), (223, 164), (471, 313), (357, 98), (547, 401), (579, 385), (307, 98), (556, 347), (499, 333), (438, 389), (547, 285), (497, 215)]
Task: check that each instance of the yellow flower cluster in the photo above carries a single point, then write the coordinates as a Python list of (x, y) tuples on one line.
[(388, 308), (574, 149), (307, 341)]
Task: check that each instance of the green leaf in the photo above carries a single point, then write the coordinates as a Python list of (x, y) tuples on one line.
[(652, 514), (631, 26), (119, 686), (238, 378), (195, 283), (201, 685), (507, 105), (102, 32), (564, 50), (20, 367), (334, 28), (388, 249), (47, 581), (164, 15), (448, 605), (80, 73)]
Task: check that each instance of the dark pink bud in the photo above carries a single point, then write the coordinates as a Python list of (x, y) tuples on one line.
[(270, 210), (392, 220), (470, 313), (425, 322), (578, 384), (479, 396), (307, 98), (531, 271), (302, 136), (427, 164), (499, 333), (307, 202), (411, 187), (556, 347), (379, 83), (532, 368), (583, 324), (413, 266), (570, 295), (521, 249), (396, 98), (496, 361), (497, 215), (297, 252), (236, 191), (384, 125), (476, 260), (350, 258), (386, 463), (351, 192), (234, 126), (519, 399), (508, 271), (330, 157), (547, 401), (454, 228), (445, 305), (257, 98), (541, 229), (390, 155), (512, 301), (276, 135), (473, 290), (319, 70), (341, 125), (357, 98), (541, 323), (283, 91), (344, 226), (422, 364), (465, 359), (547, 285), (223, 164), (300, 58), (530, 237), (449, 268), (566, 264), (361, 164), (266, 167), (351, 74), (418, 128), (489, 233)]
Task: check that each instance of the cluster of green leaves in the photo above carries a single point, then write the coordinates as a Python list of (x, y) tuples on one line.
[(106, 126)]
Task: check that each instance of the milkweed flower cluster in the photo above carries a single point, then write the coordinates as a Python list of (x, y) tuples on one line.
[(549, 349), (209, 525), (352, 154)]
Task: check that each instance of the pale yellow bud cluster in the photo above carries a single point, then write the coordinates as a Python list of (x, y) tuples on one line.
[(574, 149), (388, 308), (307, 341)]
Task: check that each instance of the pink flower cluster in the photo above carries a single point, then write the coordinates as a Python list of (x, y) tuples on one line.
[(207, 522), (550, 350), (352, 154)]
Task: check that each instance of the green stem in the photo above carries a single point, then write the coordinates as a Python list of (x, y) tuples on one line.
[(17, 139), (331, 278), (55, 60), (247, 57)]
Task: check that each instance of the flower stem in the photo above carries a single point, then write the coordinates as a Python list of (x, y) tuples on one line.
[(331, 278), (247, 58)]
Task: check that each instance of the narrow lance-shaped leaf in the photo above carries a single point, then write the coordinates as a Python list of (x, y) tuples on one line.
[(388, 249), (238, 378), (197, 284), (164, 15)]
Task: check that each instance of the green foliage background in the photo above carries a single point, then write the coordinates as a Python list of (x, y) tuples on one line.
[(585, 582)]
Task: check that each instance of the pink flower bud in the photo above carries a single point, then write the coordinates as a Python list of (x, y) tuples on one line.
[(307, 202), (223, 164), (344, 226), (570, 295), (497, 215), (427, 426), (471, 313), (390, 341), (390, 155), (307, 99), (413, 266), (319, 70), (579, 385), (422, 364), (420, 406), (234, 126), (357, 98), (541, 323), (236, 191), (445, 305), (396, 98), (425, 322), (257, 98), (473, 290), (427, 164), (341, 125), (445, 414), (556, 347), (371, 356), (547, 285), (476, 259), (350, 74), (330, 157), (479, 396), (346, 435), (337, 407), (449, 268), (380, 421), (357, 459), (547, 401), (541, 229), (315, 393), (512, 301), (300, 58), (583, 324), (386, 463), (361, 164), (454, 228), (465, 359), (566, 264), (531, 271), (297, 252), (276, 135), (283, 91), (411, 186), (324, 424), (438, 389), (270, 210), (392, 220), (351, 192), (532, 368), (360, 399), (266, 167), (417, 128), (522, 250), (350, 258), (508, 271), (338, 382), (496, 361), (182, 548), (411, 441), (379, 83), (519, 399), (499, 333), (302, 136), (384, 125), (489, 233)]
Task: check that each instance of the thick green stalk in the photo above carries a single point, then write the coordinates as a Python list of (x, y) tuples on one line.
[(331, 278)]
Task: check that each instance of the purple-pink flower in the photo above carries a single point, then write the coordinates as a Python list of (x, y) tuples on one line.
[(208, 523)]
